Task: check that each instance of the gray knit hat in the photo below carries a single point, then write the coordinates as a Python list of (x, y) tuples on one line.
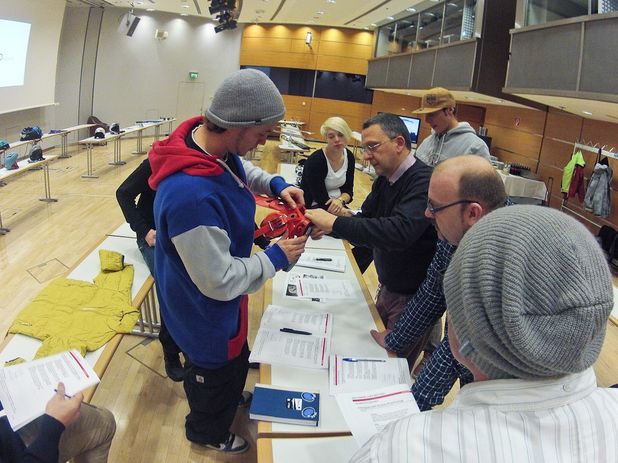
[(529, 293), (246, 98)]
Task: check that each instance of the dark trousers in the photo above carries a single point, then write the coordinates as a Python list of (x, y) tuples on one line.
[(213, 397), (170, 348)]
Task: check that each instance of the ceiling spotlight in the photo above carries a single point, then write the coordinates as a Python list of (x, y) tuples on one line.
[(319, 12), (391, 18), (184, 14), (587, 113), (411, 10), (150, 9), (184, 5)]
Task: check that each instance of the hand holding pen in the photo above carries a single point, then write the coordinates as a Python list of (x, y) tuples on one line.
[(63, 407)]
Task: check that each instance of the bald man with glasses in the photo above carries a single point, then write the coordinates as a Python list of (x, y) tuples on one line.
[(391, 221), (461, 191)]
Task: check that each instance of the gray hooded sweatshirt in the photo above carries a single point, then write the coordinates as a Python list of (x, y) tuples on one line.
[(455, 142)]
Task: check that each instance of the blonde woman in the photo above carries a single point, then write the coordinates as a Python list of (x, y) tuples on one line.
[(328, 174)]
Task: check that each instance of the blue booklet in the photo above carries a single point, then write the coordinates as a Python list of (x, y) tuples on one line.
[(285, 406)]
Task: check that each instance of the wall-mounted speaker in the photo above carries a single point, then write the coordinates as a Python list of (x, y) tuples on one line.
[(128, 24)]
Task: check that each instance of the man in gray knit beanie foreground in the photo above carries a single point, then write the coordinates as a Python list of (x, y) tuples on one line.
[(529, 294)]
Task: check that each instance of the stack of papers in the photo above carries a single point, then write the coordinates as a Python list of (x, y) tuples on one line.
[(317, 287), (293, 337), (333, 263), (26, 388)]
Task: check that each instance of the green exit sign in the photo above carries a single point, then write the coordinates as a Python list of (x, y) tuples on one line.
[(193, 75)]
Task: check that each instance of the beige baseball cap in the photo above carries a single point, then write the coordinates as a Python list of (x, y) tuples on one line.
[(434, 100)]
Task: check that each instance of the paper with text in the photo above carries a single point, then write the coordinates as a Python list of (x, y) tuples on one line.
[(26, 388), (293, 337), (325, 289), (348, 373), (332, 262), (367, 413)]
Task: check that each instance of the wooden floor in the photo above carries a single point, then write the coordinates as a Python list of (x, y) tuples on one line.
[(47, 239)]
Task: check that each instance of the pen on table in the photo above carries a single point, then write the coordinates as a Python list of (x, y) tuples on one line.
[(293, 331), (352, 359), (70, 397), (323, 259)]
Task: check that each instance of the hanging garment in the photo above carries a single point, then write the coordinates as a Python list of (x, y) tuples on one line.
[(577, 187), (577, 159), (598, 196), (76, 314)]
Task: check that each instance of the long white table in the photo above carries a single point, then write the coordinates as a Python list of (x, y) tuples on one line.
[(336, 449), (515, 185), (352, 320)]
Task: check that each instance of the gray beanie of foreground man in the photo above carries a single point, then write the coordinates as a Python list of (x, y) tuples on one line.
[(528, 294), (245, 99)]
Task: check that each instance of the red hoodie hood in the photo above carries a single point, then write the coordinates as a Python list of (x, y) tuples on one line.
[(172, 155)]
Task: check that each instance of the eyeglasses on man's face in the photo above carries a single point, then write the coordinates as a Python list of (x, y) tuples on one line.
[(374, 146), (435, 209)]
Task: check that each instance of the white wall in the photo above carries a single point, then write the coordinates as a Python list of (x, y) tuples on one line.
[(140, 77)]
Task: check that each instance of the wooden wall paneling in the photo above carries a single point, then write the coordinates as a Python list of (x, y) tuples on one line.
[(523, 144), (563, 126), (394, 103), (282, 60), (347, 35), (263, 44), (555, 153), (341, 50), (341, 64), (353, 113), (297, 107), (603, 133), (281, 31), (511, 157), (520, 119)]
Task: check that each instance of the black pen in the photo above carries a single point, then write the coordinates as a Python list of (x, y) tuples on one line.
[(293, 331), (323, 259), (70, 397)]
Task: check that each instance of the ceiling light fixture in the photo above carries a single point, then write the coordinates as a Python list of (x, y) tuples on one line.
[(150, 9), (587, 113), (411, 10), (392, 18), (319, 12), (184, 14)]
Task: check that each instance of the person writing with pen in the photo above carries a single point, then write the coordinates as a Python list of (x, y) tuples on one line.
[(69, 430)]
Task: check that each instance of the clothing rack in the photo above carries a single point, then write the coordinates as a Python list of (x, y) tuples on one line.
[(595, 148), (589, 146)]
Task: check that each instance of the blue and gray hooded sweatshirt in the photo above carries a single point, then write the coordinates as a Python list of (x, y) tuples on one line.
[(204, 269)]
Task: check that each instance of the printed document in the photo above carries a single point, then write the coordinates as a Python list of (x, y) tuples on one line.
[(314, 288), (332, 262), (293, 337), (26, 388), (348, 373), (367, 413)]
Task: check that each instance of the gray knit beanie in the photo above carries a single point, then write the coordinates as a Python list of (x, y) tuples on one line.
[(246, 98), (529, 293)]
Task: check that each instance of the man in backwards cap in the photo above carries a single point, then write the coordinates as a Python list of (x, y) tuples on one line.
[(529, 294), (449, 137), (204, 214)]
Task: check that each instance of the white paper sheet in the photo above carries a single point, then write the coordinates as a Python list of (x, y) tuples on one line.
[(26, 388), (367, 413), (332, 262), (293, 337), (314, 288), (355, 374)]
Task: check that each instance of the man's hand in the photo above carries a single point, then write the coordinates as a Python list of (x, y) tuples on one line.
[(292, 247), (151, 237), (62, 408), (379, 336), (321, 219), (293, 196), (335, 206)]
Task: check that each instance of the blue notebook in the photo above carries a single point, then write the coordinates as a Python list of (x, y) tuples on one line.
[(284, 406)]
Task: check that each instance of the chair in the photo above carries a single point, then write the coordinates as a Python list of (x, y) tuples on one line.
[(98, 122)]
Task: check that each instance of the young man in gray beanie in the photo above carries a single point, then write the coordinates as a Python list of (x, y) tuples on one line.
[(529, 294), (204, 214)]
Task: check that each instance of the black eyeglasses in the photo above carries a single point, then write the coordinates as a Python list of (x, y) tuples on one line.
[(435, 210)]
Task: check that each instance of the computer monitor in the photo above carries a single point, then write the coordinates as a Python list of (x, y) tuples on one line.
[(413, 125)]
